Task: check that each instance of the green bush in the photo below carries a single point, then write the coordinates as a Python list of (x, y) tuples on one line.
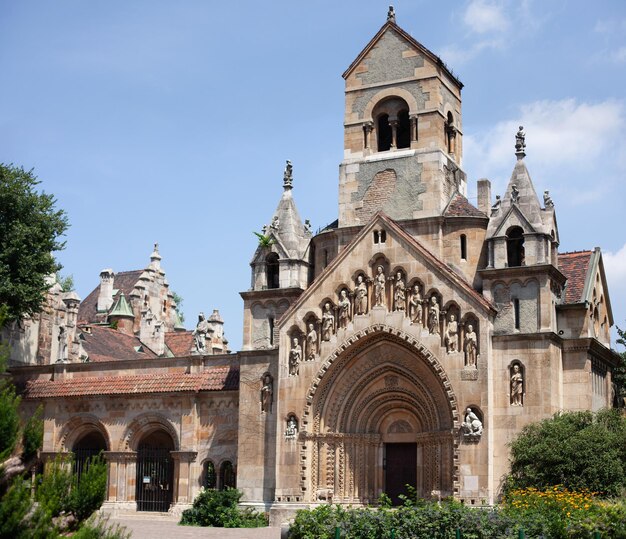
[(60, 492), (89, 492), (218, 508), (579, 450), (32, 436), (18, 520), (9, 419), (98, 527)]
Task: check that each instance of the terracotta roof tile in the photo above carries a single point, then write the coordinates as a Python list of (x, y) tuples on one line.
[(215, 379), (460, 207), (574, 266), (179, 342), (107, 344), (124, 281)]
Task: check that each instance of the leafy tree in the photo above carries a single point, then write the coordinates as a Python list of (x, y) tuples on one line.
[(579, 450), (179, 305), (66, 282), (30, 228), (9, 420), (32, 435), (218, 508)]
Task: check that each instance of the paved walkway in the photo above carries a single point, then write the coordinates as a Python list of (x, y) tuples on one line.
[(164, 527)]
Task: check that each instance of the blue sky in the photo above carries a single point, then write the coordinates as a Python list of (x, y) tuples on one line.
[(171, 121)]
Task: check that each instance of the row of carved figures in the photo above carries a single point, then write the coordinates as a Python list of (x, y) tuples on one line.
[(424, 312)]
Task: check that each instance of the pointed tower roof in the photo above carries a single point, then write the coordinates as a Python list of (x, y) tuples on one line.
[(521, 199), (390, 25), (286, 227), (121, 308)]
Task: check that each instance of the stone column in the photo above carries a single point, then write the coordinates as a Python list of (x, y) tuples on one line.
[(394, 134), (182, 484), (117, 490), (367, 131), (414, 133)]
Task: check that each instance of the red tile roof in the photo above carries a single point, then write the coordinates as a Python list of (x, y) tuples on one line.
[(215, 379), (460, 207), (124, 281), (179, 342), (103, 343), (574, 266)]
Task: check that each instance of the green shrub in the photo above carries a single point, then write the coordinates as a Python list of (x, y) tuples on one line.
[(32, 436), (53, 491), (218, 508), (18, 520), (59, 490), (89, 492), (579, 450), (9, 419), (98, 527)]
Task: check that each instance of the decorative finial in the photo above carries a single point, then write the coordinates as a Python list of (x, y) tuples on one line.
[(156, 247), (547, 200), (288, 176), (391, 15), (520, 143)]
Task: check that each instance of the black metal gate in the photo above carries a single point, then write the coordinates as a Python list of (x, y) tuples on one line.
[(155, 474)]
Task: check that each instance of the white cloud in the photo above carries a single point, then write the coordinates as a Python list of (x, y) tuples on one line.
[(455, 55), (615, 266), (482, 16), (565, 136), (619, 55)]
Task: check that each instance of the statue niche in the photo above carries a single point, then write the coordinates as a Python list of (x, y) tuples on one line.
[(516, 383)]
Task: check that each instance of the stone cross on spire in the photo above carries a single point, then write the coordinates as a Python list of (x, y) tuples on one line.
[(520, 143), (288, 176), (391, 15)]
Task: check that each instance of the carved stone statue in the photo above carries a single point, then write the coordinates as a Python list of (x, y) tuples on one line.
[(415, 305), (267, 393), (517, 386), (520, 140), (547, 200), (472, 426), (452, 334), (200, 333), (62, 349), (391, 15), (295, 356), (399, 293), (471, 346), (344, 309), (311, 343), (379, 287), (288, 174), (275, 223), (307, 225), (514, 194), (496, 204), (361, 295), (328, 322), (292, 427), (433, 316)]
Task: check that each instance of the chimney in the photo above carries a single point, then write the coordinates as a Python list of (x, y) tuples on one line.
[(105, 299), (484, 195)]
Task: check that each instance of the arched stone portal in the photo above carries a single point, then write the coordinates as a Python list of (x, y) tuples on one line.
[(155, 472), (380, 415)]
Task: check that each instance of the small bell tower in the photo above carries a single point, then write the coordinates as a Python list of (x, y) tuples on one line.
[(403, 136)]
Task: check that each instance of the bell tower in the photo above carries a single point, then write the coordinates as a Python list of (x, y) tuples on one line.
[(403, 137)]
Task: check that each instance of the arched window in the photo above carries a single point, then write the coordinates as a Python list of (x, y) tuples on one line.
[(227, 475), (384, 133), (392, 123), (463, 247), (272, 271), (515, 247), (210, 477), (450, 133)]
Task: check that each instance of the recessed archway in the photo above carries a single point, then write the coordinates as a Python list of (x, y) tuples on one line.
[(155, 471), (376, 393)]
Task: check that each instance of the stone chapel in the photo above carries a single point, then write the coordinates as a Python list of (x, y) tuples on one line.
[(406, 343)]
